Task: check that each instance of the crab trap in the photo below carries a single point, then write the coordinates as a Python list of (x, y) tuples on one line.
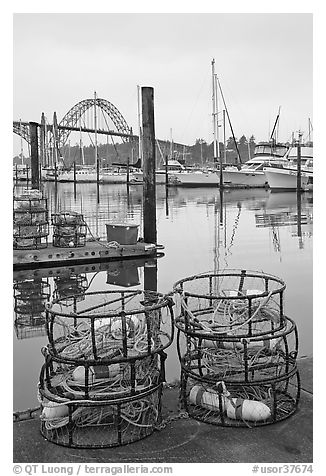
[(231, 303), (229, 403), (30, 297), (69, 230), (216, 357), (70, 286), (109, 326), (30, 221), (236, 348), (29, 327), (102, 382), (99, 424)]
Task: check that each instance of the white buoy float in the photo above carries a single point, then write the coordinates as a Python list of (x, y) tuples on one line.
[(235, 408)]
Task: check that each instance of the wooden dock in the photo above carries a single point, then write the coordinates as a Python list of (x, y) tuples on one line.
[(93, 251)]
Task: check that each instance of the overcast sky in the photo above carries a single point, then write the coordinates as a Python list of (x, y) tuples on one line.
[(263, 61)]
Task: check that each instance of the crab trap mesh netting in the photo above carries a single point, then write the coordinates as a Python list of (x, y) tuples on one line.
[(102, 382), (69, 230), (109, 326), (90, 424), (250, 404), (232, 330), (70, 286), (234, 302), (245, 359), (30, 221), (30, 297)]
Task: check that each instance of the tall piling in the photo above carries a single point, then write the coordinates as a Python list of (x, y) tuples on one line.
[(148, 144), (34, 155), (299, 164), (150, 277), (42, 141), (55, 147)]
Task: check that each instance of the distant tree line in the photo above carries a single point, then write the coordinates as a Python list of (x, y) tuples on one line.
[(201, 153)]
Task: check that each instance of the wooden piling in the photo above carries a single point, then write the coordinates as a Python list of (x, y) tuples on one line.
[(55, 161), (299, 164), (42, 141), (34, 155), (148, 143), (128, 172), (75, 180), (150, 277), (166, 171)]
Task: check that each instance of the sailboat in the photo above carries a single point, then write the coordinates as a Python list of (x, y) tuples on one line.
[(251, 174), (190, 177)]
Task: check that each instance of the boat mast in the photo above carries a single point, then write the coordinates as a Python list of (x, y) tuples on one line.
[(95, 127), (224, 137), (21, 143), (309, 129), (171, 145), (81, 152), (140, 152), (214, 111), (275, 124), (249, 155), (46, 144), (229, 120)]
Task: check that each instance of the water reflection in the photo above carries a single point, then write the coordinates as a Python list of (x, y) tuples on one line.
[(201, 230), (30, 297)]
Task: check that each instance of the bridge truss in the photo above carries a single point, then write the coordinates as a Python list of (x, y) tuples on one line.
[(74, 117)]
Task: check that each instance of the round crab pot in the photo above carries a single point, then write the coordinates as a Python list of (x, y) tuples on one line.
[(101, 424), (109, 326)]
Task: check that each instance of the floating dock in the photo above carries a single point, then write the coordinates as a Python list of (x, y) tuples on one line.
[(93, 251)]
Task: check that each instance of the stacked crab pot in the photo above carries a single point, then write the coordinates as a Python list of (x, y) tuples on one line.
[(30, 298), (30, 221), (237, 348), (101, 382), (69, 230)]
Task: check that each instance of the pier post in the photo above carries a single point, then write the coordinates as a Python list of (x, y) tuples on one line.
[(55, 157), (42, 141), (128, 172), (75, 179), (34, 155), (166, 171), (299, 164), (150, 277), (148, 143)]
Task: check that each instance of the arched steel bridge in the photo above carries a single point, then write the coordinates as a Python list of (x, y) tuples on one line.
[(72, 122)]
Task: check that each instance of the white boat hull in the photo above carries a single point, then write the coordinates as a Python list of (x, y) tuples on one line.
[(195, 179), (182, 179), (239, 178), (81, 177), (160, 178), (286, 179), (114, 178), (89, 177)]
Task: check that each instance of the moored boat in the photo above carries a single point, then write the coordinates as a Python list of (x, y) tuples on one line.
[(251, 174), (284, 177), (195, 178)]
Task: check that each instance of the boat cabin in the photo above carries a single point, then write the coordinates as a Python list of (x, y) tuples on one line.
[(270, 149)]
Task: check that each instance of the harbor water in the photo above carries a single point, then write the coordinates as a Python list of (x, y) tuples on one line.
[(200, 229)]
